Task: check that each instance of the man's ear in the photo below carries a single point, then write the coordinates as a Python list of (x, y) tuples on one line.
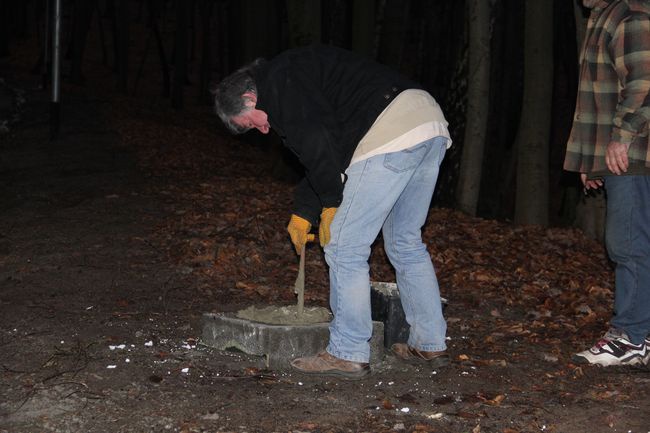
[(251, 99)]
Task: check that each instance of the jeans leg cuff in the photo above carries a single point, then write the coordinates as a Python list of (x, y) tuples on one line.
[(347, 357), (429, 347)]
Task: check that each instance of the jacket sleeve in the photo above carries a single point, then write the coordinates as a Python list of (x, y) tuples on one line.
[(312, 128), (306, 203), (630, 48)]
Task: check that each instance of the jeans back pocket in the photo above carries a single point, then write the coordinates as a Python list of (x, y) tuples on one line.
[(406, 159)]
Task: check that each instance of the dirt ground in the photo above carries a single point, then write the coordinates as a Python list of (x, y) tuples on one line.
[(118, 236)]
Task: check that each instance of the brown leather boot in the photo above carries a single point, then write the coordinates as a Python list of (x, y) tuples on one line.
[(325, 364), (415, 356)]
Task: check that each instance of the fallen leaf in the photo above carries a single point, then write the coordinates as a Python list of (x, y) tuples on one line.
[(496, 401), (252, 371)]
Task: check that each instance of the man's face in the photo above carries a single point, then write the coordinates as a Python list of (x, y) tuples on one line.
[(253, 118)]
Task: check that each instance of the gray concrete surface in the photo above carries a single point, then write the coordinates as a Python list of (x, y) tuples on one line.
[(278, 344)]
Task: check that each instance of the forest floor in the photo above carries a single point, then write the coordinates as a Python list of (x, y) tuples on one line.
[(118, 236)]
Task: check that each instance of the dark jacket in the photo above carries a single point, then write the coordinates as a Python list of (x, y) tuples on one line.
[(322, 100)]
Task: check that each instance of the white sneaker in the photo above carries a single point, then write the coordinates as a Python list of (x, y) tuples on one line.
[(615, 348)]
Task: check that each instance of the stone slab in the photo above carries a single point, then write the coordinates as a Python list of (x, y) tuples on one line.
[(278, 344)]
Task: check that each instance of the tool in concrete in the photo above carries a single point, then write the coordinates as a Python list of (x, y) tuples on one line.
[(299, 286)]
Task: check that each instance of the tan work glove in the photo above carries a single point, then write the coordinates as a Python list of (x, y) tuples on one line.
[(326, 218), (298, 229)]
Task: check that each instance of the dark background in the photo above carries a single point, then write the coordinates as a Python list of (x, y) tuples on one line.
[(173, 51)]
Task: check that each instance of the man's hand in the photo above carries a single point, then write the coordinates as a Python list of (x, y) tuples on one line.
[(326, 218), (299, 231), (590, 183), (616, 157)]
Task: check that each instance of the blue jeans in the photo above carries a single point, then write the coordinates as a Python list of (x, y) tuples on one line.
[(392, 193), (628, 245)]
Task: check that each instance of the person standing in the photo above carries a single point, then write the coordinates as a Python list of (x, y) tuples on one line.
[(609, 147), (371, 142)]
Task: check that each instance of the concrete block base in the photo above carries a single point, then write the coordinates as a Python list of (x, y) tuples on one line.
[(278, 344), (386, 307)]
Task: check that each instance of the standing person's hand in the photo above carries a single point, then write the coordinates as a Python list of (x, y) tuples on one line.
[(590, 183), (298, 229), (616, 157), (326, 218)]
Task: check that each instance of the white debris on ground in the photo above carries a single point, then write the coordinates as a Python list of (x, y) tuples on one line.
[(164, 348)]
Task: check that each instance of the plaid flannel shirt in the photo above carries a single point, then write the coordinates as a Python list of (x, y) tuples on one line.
[(613, 102)]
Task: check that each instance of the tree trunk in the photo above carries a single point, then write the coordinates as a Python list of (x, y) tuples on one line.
[(154, 14), (205, 10), (531, 205), (111, 11), (496, 199), (394, 31), (102, 37), (450, 92), (336, 29), (191, 23), (304, 22), (4, 28), (363, 32), (478, 94), (256, 17), (223, 54), (83, 15), (180, 54), (122, 51)]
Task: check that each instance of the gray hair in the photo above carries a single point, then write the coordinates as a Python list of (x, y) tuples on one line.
[(229, 101)]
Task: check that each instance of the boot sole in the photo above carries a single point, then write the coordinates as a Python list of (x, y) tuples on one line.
[(438, 362)]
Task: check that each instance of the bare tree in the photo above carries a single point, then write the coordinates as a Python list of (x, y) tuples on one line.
[(478, 93), (363, 32), (4, 28), (336, 29), (82, 18), (304, 22), (531, 202), (183, 10), (121, 38)]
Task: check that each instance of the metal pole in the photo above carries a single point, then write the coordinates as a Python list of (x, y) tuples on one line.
[(56, 71)]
